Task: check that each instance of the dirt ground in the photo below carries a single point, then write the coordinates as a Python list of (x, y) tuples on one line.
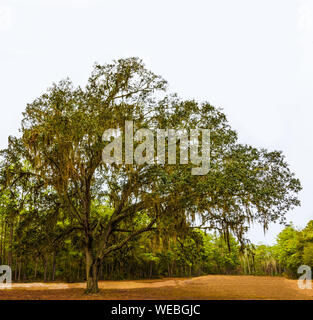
[(212, 287)]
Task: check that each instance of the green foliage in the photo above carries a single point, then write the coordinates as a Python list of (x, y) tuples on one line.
[(294, 248)]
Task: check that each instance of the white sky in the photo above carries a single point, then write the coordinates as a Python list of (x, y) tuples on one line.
[(252, 58)]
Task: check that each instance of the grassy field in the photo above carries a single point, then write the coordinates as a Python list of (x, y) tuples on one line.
[(213, 287)]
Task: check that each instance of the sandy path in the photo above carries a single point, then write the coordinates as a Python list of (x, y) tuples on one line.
[(212, 287)]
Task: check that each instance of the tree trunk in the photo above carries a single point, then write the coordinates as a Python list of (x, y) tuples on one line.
[(16, 267), (92, 272), (78, 272), (45, 270), (19, 270), (101, 271), (53, 267), (4, 243), (36, 264), (248, 266), (1, 241), (151, 269), (10, 262)]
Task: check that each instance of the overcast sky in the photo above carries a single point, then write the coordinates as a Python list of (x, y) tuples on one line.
[(253, 58)]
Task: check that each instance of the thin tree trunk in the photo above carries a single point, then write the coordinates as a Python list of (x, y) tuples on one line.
[(1, 241), (53, 267), (70, 271), (78, 272), (11, 245), (4, 243), (101, 271), (19, 270), (248, 265), (36, 265), (45, 270), (25, 271), (16, 267), (151, 269)]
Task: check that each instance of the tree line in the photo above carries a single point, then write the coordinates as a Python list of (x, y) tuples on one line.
[(198, 253)]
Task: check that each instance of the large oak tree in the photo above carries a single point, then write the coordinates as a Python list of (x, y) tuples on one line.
[(63, 142)]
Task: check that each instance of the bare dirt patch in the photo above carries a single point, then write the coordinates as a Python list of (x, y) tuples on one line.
[(213, 287)]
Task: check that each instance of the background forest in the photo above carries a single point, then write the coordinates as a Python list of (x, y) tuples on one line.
[(30, 249)]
